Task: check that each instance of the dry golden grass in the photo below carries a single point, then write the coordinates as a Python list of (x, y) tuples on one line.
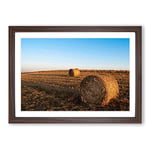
[(74, 72), (56, 90), (99, 89)]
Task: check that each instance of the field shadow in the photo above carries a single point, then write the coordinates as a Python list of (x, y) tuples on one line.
[(60, 75)]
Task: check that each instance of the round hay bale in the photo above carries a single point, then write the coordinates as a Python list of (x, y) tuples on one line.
[(98, 89), (74, 72)]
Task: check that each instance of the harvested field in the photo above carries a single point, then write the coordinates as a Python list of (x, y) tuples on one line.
[(57, 91)]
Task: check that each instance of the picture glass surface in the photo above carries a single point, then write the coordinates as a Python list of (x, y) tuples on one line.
[(64, 74)]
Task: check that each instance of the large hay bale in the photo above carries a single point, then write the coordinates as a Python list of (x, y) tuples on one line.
[(98, 89), (74, 72)]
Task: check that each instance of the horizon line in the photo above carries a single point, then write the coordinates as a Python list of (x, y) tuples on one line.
[(79, 69)]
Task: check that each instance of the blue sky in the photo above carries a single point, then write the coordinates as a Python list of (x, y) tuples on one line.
[(83, 53)]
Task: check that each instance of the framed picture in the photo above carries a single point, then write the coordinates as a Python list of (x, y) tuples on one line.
[(75, 74)]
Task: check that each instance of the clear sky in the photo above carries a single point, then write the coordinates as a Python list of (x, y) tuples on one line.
[(83, 53)]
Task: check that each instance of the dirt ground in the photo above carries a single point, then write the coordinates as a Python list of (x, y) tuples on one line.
[(57, 91)]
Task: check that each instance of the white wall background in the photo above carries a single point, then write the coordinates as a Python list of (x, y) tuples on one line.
[(73, 137)]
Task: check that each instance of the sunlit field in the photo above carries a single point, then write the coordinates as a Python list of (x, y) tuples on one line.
[(57, 91)]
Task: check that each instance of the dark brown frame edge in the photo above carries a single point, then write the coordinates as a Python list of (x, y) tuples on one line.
[(138, 86)]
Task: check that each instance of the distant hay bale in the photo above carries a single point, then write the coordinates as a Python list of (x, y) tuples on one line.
[(98, 89), (74, 72)]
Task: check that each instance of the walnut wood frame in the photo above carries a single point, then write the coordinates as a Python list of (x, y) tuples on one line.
[(138, 69)]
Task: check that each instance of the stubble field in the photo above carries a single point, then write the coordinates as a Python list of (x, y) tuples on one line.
[(57, 91)]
